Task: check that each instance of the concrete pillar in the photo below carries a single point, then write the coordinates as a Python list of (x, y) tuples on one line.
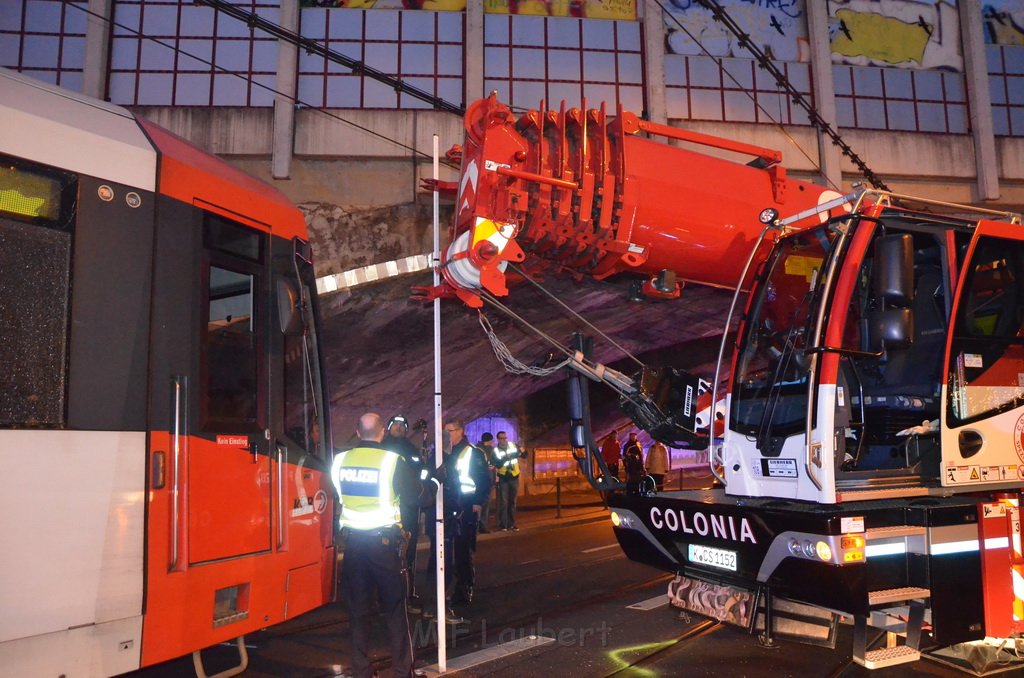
[(473, 67), (829, 155), (97, 48), (286, 82), (979, 99), (654, 60)]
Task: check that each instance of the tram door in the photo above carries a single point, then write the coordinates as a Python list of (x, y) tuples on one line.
[(229, 470)]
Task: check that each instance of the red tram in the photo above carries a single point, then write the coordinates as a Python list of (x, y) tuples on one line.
[(163, 437)]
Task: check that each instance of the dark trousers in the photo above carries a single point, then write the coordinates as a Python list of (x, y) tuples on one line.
[(411, 524), (465, 550), (485, 512), (633, 485), (373, 570), (508, 494)]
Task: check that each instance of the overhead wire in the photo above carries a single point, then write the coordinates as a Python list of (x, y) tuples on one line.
[(574, 314), (253, 21), (248, 79), (512, 364), (493, 301), (719, 14), (745, 90), (572, 357)]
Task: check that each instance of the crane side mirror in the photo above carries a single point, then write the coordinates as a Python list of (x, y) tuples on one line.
[(892, 278), (890, 328)]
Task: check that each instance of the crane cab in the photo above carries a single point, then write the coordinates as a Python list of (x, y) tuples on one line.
[(881, 354)]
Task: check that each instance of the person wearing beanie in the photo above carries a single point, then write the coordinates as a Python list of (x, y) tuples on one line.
[(487, 447)]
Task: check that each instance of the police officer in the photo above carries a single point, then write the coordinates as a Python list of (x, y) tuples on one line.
[(467, 485), (371, 482), (397, 441), (506, 456)]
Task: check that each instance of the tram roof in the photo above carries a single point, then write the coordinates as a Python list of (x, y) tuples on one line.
[(194, 176), (64, 129)]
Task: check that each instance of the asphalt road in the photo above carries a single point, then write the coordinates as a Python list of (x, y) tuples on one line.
[(572, 585)]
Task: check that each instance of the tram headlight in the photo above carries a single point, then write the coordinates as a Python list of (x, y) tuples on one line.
[(823, 550), (616, 520)]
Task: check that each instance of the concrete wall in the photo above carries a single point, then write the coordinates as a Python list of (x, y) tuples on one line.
[(373, 162), (361, 192)]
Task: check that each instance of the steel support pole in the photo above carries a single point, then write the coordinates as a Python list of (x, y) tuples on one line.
[(442, 644)]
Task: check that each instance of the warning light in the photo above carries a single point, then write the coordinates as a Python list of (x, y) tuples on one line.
[(823, 550), (616, 521), (853, 548), (852, 541)]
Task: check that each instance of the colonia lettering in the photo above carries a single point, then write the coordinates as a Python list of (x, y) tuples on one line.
[(710, 524)]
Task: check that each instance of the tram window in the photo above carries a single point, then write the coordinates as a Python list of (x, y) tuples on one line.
[(37, 209), (231, 346), (229, 237), (35, 266), (27, 194), (303, 405)]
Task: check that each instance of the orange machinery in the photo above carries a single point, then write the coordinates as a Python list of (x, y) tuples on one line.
[(590, 195)]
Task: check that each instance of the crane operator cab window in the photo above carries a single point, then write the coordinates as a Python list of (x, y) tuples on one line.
[(770, 402), (987, 354), (890, 378)]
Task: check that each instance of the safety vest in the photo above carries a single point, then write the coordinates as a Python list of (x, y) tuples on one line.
[(466, 483), (508, 460), (364, 478)]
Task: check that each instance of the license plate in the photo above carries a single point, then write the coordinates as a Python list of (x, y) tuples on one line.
[(707, 555)]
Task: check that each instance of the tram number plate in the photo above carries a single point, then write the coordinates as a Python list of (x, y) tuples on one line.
[(706, 555)]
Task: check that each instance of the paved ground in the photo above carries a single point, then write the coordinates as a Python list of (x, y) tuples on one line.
[(559, 599)]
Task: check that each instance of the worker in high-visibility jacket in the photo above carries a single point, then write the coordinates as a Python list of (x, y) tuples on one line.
[(505, 458), (371, 481), (467, 485)]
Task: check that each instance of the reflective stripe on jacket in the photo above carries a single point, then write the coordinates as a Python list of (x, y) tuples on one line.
[(466, 483), (364, 478), (508, 460)]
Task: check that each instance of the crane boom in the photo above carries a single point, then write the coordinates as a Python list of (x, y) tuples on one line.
[(585, 193)]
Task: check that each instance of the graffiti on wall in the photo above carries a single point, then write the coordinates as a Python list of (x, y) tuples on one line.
[(1003, 21), (777, 27), (917, 34), (584, 9), (433, 5)]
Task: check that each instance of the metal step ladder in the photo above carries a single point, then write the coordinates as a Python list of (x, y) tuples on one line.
[(906, 536)]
